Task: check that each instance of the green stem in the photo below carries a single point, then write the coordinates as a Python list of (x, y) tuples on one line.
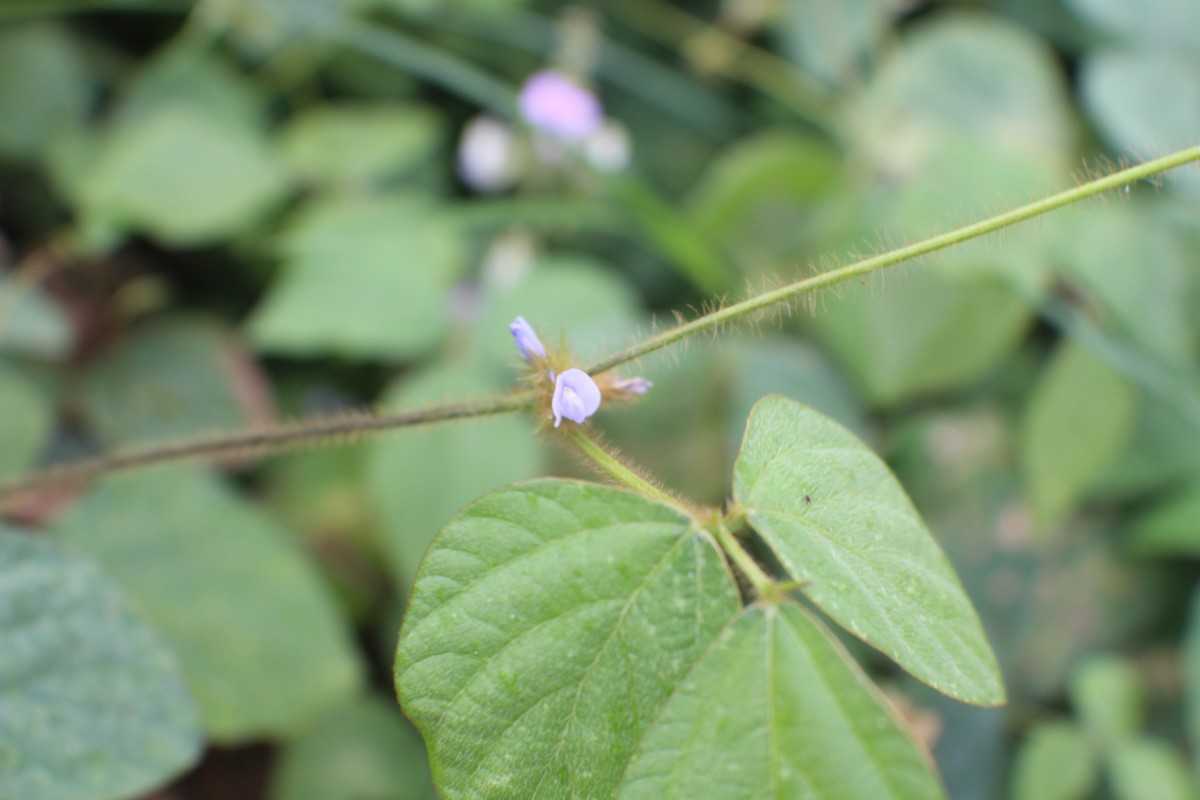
[(432, 64), (763, 584), (923, 248), (757, 68), (612, 466), (260, 442)]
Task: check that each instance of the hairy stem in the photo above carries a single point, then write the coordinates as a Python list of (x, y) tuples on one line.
[(612, 466), (925, 247), (261, 442), (437, 66), (735, 57), (309, 431)]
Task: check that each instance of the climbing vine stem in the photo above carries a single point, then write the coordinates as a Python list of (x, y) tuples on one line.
[(791, 292), (259, 442)]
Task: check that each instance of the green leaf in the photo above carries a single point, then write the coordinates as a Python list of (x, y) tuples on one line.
[(788, 366), (25, 424), (420, 477), (45, 88), (30, 323), (549, 624), (830, 38), (965, 76), (840, 523), (198, 79), (1107, 695), (359, 145), (1144, 101), (169, 379), (1163, 450), (1055, 763), (389, 259), (1171, 527), (928, 331), (360, 751), (1078, 419), (255, 631), (183, 176), (777, 708), (1147, 769), (1161, 23), (91, 703), (1123, 259), (759, 199)]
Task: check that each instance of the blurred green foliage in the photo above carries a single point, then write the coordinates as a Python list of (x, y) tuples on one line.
[(218, 214)]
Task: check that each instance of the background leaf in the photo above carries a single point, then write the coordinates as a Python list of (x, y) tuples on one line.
[(45, 88), (91, 702), (1079, 417), (1171, 527), (361, 750), (1055, 763), (256, 633), (926, 333), (32, 324), (26, 422), (389, 259), (831, 38), (171, 378), (1146, 769), (360, 145), (1107, 696), (1139, 99), (184, 177)]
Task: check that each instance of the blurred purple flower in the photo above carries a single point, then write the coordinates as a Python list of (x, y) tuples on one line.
[(576, 396), (553, 103), (638, 385), (527, 340)]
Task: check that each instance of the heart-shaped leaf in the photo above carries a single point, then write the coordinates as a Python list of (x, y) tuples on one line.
[(778, 708), (839, 521), (549, 623)]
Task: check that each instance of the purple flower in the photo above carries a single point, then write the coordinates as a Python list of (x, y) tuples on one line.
[(638, 385), (553, 103), (527, 341), (576, 396)]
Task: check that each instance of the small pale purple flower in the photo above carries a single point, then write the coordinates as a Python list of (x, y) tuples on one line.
[(553, 103), (527, 341), (576, 396), (638, 385)]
